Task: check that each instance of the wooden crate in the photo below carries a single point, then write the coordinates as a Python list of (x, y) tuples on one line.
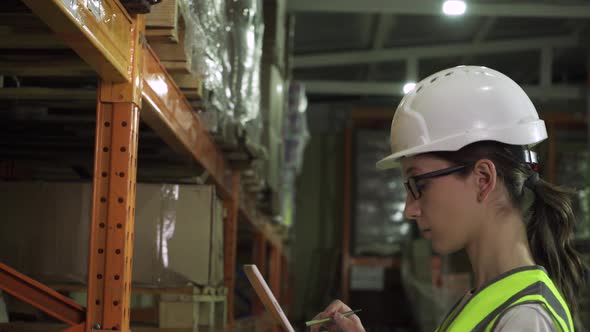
[(165, 30), (190, 84), (172, 54), (162, 22)]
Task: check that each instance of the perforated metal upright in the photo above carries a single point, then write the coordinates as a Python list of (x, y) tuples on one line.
[(113, 207)]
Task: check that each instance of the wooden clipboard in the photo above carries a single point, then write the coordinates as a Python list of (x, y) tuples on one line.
[(266, 296)]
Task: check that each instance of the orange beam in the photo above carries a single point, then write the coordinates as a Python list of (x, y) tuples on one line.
[(100, 31), (259, 255), (275, 277), (40, 296), (230, 238), (170, 115)]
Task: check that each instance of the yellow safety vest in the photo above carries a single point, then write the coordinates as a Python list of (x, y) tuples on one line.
[(524, 285)]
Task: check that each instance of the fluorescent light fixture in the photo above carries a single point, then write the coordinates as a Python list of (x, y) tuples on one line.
[(454, 7), (409, 87)]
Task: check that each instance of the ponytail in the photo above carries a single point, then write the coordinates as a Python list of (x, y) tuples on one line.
[(550, 234)]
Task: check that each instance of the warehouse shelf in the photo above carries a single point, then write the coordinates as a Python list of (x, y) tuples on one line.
[(99, 31), (133, 84)]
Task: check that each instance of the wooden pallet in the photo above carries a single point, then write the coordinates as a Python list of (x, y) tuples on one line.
[(162, 22)]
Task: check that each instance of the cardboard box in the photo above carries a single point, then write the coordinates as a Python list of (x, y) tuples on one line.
[(178, 235), (200, 229), (45, 229), (162, 22)]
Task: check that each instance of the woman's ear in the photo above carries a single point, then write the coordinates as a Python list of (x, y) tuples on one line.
[(485, 177)]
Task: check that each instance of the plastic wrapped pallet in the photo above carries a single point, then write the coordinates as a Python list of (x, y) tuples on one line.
[(295, 132), (295, 138), (223, 39), (245, 50), (180, 238), (380, 197), (205, 43), (173, 245)]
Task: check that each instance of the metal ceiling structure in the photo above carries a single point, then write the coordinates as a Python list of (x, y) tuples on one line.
[(371, 48)]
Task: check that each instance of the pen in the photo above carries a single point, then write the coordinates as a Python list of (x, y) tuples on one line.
[(326, 320)]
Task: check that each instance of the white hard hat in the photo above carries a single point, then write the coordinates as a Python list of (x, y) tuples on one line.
[(459, 106)]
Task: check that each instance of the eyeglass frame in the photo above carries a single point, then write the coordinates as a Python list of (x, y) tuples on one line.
[(411, 183)]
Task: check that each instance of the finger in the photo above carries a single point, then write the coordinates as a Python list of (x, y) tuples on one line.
[(337, 306), (348, 324), (321, 315)]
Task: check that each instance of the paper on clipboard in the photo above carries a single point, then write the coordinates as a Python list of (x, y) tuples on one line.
[(265, 295)]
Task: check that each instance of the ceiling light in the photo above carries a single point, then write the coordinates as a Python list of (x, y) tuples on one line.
[(454, 7), (409, 87)]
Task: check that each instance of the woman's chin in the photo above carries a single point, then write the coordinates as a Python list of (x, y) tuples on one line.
[(444, 248)]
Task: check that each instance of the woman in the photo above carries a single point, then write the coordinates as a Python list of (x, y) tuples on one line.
[(462, 140)]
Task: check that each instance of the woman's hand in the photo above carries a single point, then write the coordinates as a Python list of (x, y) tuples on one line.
[(335, 310)]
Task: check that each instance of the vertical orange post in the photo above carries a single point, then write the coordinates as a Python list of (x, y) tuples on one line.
[(347, 223), (275, 277), (259, 256), (113, 207), (230, 238)]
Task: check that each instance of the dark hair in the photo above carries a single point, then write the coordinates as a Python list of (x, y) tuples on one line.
[(550, 218)]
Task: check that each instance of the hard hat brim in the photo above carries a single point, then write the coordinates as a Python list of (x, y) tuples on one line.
[(526, 134)]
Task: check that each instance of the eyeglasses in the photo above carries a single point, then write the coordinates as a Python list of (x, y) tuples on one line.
[(414, 188)]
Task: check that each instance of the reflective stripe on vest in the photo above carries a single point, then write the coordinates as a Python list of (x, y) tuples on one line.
[(523, 285)]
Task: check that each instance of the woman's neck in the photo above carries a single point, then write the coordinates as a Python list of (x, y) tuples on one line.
[(500, 246)]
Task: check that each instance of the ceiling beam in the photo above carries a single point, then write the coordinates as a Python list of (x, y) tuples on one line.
[(385, 23), (353, 88), (563, 92), (432, 7), (435, 51), (480, 36), (546, 66)]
